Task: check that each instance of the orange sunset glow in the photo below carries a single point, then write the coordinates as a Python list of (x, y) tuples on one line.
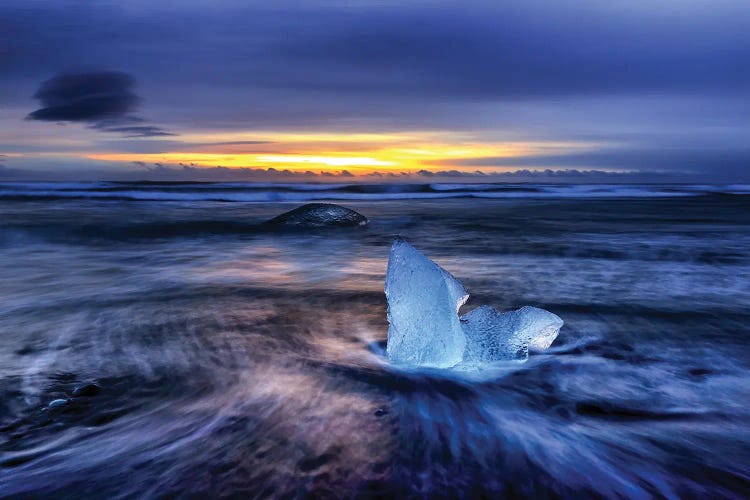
[(358, 153)]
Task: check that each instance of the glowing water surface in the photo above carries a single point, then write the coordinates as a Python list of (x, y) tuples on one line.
[(234, 360)]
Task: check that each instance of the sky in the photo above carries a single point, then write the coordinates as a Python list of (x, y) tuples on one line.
[(231, 90)]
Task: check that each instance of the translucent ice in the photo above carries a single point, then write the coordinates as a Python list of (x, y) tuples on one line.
[(425, 330), (423, 303), (494, 336)]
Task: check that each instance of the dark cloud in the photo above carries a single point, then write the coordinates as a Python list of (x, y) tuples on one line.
[(140, 131), (192, 173), (85, 97), (102, 99), (181, 172), (472, 50), (225, 143), (516, 51)]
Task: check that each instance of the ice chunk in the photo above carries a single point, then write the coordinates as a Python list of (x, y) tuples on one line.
[(425, 330), (494, 336), (423, 303)]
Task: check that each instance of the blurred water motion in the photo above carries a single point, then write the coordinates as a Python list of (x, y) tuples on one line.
[(237, 361)]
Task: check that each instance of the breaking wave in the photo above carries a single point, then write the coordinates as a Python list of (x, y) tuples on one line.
[(302, 192)]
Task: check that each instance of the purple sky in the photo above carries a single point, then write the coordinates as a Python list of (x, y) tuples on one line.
[(651, 90)]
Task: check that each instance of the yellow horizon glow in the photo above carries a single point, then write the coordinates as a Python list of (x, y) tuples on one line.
[(325, 152), (331, 161)]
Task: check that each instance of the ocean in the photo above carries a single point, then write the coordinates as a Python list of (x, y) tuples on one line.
[(232, 359)]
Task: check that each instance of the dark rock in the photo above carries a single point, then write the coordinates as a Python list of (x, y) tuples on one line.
[(86, 390), (319, 215)]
